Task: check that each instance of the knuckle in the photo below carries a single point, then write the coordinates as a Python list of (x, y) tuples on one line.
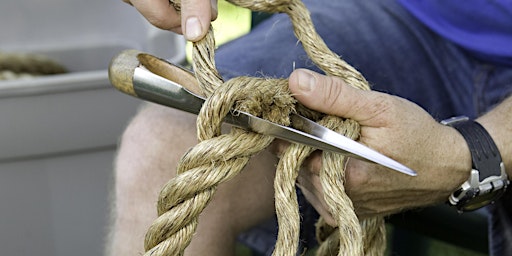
[(380, 104), (329, 219), (358, 179), (161, 22), (313, 163), (332, 93)]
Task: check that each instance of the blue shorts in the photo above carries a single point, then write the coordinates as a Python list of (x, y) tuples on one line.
[(394, 51)]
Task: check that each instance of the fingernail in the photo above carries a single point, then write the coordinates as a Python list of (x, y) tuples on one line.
[(192, 28), (306, 81)]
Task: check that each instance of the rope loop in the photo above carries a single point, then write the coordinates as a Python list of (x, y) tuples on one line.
[(262, 97), (219, 157)]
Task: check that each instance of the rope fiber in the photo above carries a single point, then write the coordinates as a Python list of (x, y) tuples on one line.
[(27, 65), (220, 157)]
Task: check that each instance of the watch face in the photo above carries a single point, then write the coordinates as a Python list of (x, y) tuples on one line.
[(475, 194), (481, 200)]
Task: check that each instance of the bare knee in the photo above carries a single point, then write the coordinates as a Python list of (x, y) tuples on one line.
[(147, 156)]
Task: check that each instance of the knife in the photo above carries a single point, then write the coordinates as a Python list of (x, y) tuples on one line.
[(150, 78)]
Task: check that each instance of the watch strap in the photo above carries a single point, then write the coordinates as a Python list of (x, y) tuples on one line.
[(485, 155)]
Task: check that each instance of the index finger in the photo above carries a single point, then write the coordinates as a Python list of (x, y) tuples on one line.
[(160, 13)]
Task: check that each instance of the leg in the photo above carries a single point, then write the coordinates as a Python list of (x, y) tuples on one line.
[(150, 149)]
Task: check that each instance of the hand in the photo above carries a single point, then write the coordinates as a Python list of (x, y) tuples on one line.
[(193, 22), (395, 127)]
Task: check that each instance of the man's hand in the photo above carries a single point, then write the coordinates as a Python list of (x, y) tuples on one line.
[(193, 21), (395, 127)]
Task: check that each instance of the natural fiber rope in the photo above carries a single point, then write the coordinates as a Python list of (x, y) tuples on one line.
[(27, 65), (220, 157)]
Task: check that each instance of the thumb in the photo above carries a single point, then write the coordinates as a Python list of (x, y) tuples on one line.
[(332, 96), (196, 16)]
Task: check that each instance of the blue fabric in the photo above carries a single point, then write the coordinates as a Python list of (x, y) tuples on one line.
[(481, 26), (397, 54)]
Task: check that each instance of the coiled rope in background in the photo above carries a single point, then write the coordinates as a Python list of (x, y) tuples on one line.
[(219, 157), (27, 65)]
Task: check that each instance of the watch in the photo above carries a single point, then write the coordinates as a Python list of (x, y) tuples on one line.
[(488, 179)]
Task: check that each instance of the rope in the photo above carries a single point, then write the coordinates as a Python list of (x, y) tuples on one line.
[(220, 157), (24, 65)]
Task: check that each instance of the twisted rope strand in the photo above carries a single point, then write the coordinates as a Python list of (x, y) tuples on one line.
[(318, 51), (203, 63), (332, 180), (286, 203), (27, 65), (219, 157)]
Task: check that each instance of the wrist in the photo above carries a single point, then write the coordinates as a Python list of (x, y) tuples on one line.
[(488, 180), (456, 159)]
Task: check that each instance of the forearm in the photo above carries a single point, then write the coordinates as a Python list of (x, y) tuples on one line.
[(498, 123)]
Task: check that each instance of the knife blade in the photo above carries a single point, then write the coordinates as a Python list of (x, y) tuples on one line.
[(154, 88), (150, 78)]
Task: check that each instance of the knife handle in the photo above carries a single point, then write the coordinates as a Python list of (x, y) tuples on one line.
[(122, 68)]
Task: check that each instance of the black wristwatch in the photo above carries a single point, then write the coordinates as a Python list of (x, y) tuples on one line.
[(488, 179)]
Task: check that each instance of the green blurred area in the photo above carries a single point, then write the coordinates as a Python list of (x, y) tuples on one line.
[(232, 22)]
